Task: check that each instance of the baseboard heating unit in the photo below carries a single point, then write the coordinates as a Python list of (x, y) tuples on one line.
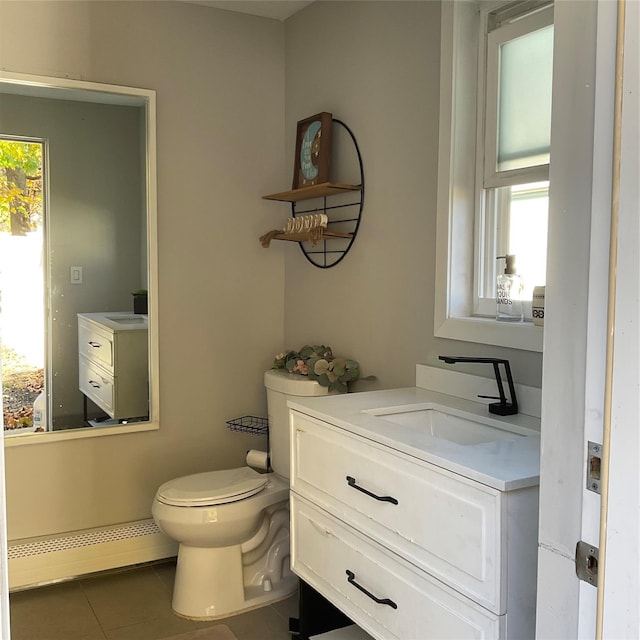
[(38, 561)]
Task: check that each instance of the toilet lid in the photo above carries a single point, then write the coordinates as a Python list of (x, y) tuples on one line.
[(213, 487)]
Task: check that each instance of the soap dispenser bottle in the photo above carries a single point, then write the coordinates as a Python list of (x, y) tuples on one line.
[(509, 292)]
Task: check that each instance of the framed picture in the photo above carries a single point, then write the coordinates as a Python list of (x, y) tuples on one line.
[(313, 151)]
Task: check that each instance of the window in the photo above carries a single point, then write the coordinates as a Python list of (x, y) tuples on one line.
[(514, 151), (496, 80)]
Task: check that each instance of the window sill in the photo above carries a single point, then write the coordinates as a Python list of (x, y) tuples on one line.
[(517, 335)]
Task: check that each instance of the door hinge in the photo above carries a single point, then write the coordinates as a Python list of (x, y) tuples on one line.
[(587, 562)]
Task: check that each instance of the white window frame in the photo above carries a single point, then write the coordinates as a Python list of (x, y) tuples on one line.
[(491, 240), (491, 229), (458, 197), (488, 59)]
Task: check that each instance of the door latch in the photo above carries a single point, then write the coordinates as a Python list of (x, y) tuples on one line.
[(587, 562), (593, 466)]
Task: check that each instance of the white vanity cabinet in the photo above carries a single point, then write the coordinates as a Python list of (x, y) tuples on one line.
[(114, 363), (406, 548)]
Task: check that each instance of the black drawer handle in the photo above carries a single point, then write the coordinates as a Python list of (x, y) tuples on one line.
[(94, 384), (351, 579), (95, 345), (352, 483)]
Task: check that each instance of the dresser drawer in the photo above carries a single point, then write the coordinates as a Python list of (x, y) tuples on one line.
[(442, 522), (95, 344), (352, 571), (97, 384)]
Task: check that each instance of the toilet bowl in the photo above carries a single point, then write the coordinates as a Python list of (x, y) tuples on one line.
[(233, 540), (232, 525)]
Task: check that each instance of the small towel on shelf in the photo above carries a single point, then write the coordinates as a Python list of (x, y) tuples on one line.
[(315, 235), (266, 239)]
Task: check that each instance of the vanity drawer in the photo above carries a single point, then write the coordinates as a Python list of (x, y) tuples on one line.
[(97, 385), (95, 344), (441, 522), (411, 605)]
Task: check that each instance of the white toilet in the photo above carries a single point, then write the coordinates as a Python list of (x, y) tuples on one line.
[(233, 525)]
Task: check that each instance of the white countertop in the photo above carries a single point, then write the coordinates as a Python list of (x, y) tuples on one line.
[(504, 464), (119, 320)]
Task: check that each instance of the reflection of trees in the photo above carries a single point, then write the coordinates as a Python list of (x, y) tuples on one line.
[(20, 186)]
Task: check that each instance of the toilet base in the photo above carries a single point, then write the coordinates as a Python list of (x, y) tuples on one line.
[(251, 603), (217, 582)]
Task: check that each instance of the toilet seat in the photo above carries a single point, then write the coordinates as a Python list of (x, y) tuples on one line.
[(212, 488)]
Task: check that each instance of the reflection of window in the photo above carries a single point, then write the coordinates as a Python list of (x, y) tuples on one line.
[(22, 317), (496, 79)]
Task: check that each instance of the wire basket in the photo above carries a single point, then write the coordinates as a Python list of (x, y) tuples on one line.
[(249, 424)]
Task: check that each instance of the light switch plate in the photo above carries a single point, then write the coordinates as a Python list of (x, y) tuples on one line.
[(75, 276)]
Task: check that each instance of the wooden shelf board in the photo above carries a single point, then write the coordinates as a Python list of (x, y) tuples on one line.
[(305, 236), (316, 191)]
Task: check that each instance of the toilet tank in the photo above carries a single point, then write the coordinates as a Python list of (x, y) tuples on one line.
[(282, 385)]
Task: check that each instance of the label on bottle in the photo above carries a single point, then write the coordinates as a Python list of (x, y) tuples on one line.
[(503, 295), (508, 298), (537, 306)]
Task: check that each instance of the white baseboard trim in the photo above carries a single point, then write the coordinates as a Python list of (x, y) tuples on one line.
[(37, 561)]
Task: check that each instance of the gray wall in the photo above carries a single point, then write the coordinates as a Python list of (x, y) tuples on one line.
[(219, 78), (225, 139), (94, 220), (379, 72)]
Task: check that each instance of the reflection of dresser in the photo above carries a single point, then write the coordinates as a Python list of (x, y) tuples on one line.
[(114, 363)]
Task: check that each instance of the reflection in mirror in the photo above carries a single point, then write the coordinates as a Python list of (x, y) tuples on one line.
[(76, 214)]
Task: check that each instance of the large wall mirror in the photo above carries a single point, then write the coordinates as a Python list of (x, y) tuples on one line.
[(78, 259)]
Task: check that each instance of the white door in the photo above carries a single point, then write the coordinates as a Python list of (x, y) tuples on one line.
[(576, 330)]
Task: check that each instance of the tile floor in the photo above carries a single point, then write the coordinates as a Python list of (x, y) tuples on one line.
[(133, 604)]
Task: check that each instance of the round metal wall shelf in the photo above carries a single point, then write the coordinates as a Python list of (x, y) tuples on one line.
[(344, 213)]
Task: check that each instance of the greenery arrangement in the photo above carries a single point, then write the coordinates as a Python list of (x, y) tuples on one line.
[(318, 363)]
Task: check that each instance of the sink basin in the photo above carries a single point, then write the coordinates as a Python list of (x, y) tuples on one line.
[(445, 425), (127, 319)]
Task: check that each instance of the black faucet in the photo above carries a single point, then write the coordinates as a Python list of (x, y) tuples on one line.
[(502, 408)]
